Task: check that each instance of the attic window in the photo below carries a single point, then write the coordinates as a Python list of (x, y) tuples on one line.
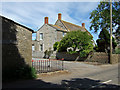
[(41, 36)]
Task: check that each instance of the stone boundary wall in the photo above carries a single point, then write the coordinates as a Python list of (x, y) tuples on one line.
[(99, 57), (37, 54), (115, 58), (69, 57)]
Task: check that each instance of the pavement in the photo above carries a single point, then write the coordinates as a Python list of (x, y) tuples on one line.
[(77, 75)]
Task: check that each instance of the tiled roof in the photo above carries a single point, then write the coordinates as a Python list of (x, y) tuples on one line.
[(56, 27), (73, 27)]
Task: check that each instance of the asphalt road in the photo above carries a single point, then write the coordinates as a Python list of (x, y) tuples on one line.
[(110, 76), (79, 76)]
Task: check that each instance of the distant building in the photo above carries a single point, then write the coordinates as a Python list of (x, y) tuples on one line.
[(48, 34), (16, 44)]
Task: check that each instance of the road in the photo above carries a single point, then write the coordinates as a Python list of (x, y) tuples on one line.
[(80, 75)]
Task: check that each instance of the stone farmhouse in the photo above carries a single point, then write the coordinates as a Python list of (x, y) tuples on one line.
[(48, 34), (16, 44)]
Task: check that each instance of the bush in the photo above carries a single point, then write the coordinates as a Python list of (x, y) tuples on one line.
[(18, 73), (117, 51), (79, 41), (55, 46), (48, 53)]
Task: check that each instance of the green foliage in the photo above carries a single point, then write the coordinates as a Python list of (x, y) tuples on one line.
[(55, 46), (48, 53), (100, 18), (18, 73), (79, 41), (117, 51), (104, 41)]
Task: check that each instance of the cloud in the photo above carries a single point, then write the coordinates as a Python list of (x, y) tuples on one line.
[(31, 14)]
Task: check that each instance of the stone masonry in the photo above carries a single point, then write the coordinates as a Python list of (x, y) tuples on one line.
[(16, 44)]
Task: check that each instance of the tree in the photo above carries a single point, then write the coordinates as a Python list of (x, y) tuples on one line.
[(101, 18), (104, 41), (55, 46), (79, 41)]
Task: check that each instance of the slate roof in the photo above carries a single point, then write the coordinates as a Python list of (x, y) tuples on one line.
[(56, 27), (73, 27)]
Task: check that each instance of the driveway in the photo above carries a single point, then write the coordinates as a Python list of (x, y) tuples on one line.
[(77, 75)]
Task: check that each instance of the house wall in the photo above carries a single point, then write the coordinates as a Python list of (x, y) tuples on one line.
[(49, 37), (59, 35), (16, 45)]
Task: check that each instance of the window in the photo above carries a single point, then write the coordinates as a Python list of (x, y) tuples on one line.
[(63, 34), (41, 47), (41, 36), (33, 48)]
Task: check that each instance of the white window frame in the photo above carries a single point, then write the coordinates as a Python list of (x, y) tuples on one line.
[(63, 34), (33, 47), (41, 47), (41, 36)]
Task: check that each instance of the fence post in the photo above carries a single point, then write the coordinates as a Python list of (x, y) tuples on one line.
[(32, 63), (62, 63), (45, 66), (39, 66), (49, 65)]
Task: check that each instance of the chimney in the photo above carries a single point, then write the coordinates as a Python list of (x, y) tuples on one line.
[(46, 20), (83, 25), (59, 16)]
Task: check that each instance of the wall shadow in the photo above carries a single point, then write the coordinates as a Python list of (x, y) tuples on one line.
[(13, 64), (74, 84)]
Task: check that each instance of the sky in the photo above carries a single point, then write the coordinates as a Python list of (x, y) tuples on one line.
[(31, 14)]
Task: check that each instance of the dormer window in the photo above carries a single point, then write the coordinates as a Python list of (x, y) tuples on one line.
[(41, 36)]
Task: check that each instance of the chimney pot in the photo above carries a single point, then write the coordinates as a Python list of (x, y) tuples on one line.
[(46, 20), (59, 16), (83, 25)]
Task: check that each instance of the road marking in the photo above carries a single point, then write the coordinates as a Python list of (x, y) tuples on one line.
[(107, 81), (101, 83)]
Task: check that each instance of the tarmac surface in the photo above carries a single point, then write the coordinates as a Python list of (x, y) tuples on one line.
[(76, 75)]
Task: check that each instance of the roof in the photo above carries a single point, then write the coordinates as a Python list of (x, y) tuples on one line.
[(73, 27), (17, 23), (56, 27)]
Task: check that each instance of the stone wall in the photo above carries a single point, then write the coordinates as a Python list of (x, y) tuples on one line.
[(49, 37), (59, 35), (115, 58), (16, 45), (37, 54), (99, 57), (69, 57)]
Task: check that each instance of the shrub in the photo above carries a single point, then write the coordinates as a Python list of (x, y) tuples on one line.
[(117, 51), (79, 41), (55, 46), (18, 73)]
